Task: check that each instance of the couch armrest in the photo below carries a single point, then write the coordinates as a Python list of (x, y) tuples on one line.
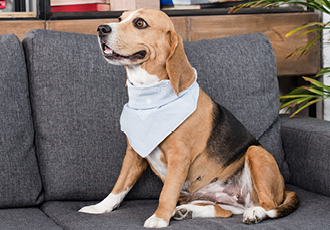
[(306, 143)]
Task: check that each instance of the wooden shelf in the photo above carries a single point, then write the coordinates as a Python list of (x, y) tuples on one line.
[(20, 27), (174, 13), (274, 25), (11, 15)]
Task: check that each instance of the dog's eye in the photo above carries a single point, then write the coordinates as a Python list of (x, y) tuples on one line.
[(140, 23), (119, 19)]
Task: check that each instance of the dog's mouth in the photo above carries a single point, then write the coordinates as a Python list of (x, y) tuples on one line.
[(110, 54)]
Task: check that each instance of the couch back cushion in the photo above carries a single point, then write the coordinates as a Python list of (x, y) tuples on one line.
[(20, 182), (77, 99)]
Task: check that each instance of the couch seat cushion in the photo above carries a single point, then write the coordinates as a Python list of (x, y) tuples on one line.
[(26, 219), (313, 213)]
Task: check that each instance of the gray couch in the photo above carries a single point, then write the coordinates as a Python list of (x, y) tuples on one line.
[(61, 146)]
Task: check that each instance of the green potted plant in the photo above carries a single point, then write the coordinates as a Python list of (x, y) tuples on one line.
[(315, 91)]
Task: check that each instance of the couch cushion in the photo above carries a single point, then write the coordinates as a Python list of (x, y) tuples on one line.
[(77, 99), (239, 72), (20, 182), (313, 213), (26, 219)]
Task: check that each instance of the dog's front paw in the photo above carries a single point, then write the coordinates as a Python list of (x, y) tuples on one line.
[(254, 215), (110, 203), (99, 208), (155, 222), (94, 209)]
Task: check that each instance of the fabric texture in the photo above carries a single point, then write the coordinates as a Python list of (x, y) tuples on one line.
[(20, 182), (239, 73), (312, 213), (152, 113), (77, 98), (25, 219), (306, 143)]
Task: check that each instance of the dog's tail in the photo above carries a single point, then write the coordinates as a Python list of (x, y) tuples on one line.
[(289, 205)]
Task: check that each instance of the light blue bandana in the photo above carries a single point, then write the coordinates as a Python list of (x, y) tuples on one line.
[(154, 112)]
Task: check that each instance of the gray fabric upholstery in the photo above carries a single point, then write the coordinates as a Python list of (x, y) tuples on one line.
[(313, 213), (26, 219), (306, 142), (77, 99), (20, 182), (239, 72)]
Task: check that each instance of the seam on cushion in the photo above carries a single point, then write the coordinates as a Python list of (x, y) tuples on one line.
[(30, 58), (269, 127)]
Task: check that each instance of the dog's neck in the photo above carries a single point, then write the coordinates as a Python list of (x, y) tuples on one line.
[(140, 77), (152, 113)]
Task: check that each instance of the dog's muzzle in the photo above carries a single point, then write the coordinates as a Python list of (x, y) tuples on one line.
[(108, 52)]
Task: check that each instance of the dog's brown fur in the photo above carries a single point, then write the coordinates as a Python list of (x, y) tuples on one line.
[(189, 152)]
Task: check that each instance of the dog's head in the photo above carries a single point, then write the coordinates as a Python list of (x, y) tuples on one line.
[(146, 37)]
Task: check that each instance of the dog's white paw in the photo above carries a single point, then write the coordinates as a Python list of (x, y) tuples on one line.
[(155, 222), (107, 205), (254, 215), (99, 208)]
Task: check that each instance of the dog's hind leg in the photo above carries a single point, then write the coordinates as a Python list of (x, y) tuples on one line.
[(132, 169), (271, 198)]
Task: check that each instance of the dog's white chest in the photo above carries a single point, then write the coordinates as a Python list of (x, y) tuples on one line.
[(154, 159), (139, 76)]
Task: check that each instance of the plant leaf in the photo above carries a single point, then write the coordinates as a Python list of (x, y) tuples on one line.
[(305, 106), (299, 91), (321, 5), (296, 96), (305, 49), (323, 71), (320, 29), (318, 83), (294, 102), (305, 26)]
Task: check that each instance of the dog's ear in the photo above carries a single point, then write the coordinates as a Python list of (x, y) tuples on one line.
[(178, 68)]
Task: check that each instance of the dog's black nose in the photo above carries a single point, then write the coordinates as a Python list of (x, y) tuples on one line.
[(103, 30)]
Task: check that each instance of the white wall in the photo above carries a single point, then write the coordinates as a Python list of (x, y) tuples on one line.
[(326, 63)]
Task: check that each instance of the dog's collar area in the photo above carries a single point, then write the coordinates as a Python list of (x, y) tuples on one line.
[(154, 96), (154, 112), (110, 54)]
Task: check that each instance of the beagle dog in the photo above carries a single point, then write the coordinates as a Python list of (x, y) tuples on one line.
[(241, 177)]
